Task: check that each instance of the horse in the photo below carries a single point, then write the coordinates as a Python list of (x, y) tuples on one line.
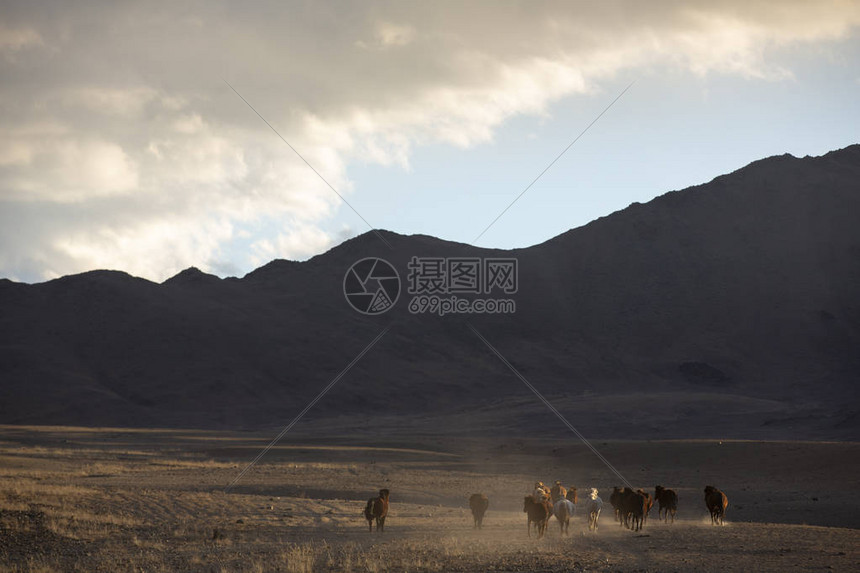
[(377, 508), (717, 503), (564, 509), (557, 492), (478, 503), (594, 506), (538, 512), (667, 502)]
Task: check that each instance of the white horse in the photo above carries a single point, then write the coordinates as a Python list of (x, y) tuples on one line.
[(564, 509), (594, 505)]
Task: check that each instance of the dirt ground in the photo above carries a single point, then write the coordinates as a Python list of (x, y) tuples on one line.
[(78, 499)]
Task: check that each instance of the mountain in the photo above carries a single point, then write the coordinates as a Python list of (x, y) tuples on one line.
[(729, 309)]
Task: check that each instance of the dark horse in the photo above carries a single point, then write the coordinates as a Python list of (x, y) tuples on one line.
[(717, 503), (377, 508), (667, 501), (539, 512), (479, 503)]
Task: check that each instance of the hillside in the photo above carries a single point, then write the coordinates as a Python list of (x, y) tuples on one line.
[(730, 309)]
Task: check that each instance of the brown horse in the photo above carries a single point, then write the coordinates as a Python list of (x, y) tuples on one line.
[(557, 492), (479, 503), (571, 495), (667, 502), (615, 501), (717, 503), (539, 513), (649, 503), (633, 508), (377, 508)]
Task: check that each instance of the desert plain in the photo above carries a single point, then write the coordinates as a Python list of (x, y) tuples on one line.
[(102, 499)]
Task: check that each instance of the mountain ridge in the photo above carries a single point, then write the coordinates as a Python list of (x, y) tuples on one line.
[(746, 286)]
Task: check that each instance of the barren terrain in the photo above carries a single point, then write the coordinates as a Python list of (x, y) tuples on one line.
[(76, 499), (725, 310)]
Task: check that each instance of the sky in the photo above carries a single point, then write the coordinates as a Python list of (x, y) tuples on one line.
[(123, 145)]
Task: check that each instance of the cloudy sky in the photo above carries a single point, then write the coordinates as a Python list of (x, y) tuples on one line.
[(122, 147)]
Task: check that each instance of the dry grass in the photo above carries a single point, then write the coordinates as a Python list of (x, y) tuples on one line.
[(129, 509), (43, 489), (352, 557)]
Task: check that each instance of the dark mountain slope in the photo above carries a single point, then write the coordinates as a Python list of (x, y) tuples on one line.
[(735, 304)]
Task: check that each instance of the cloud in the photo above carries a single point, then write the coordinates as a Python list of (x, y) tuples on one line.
[(126, 103), (300, 242), (69, 170), (131, 247), (121, 147), (389, 35), (15, 39)]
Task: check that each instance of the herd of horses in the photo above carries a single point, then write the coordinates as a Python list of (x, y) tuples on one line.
[(560, 502), (631, 507)]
